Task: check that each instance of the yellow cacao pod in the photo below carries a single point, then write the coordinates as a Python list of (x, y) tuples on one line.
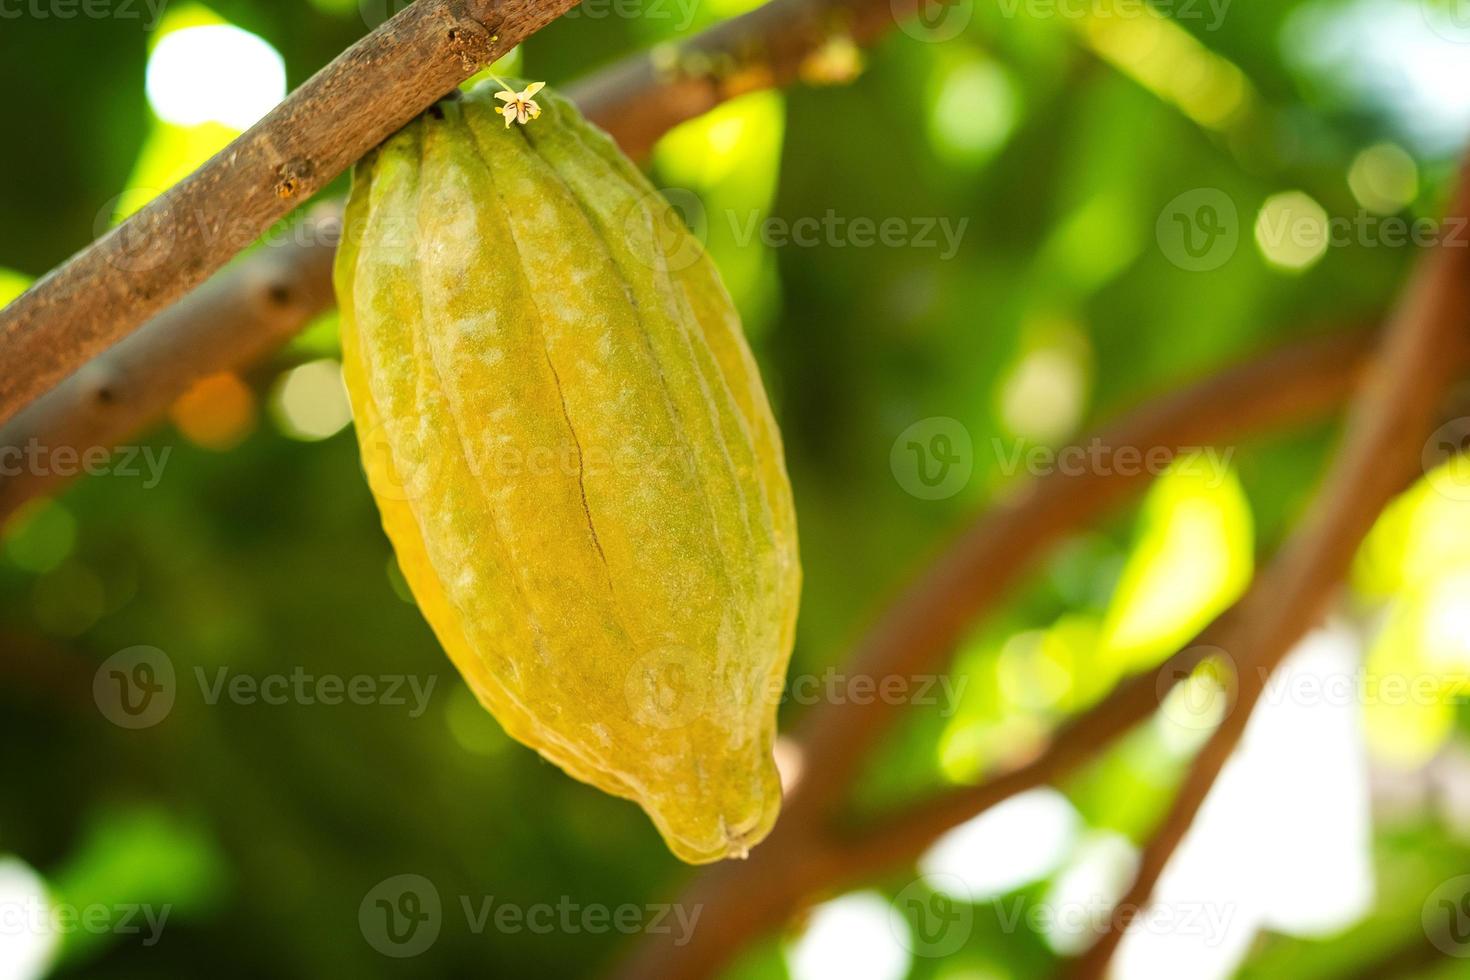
[(574, 459)]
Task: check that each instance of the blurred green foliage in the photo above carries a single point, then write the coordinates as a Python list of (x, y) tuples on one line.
[(1054, 144)]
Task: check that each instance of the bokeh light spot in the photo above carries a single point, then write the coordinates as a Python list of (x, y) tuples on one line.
[(309, 402), (854, 937), (214, 73), (1291, 231), (1384, 178), (217, 412)]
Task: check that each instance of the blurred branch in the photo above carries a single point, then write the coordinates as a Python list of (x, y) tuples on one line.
[(107, 290), (233, 320), (643, 97), (920, 629), (1389, 422), (809, 853), (266, 297), (906, 834)]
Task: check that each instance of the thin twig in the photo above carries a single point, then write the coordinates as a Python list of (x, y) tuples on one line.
[(1390, 420), (173, 243)]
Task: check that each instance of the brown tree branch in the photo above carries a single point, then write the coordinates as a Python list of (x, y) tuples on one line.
[(231, 321), (920, 629), (807, 854), (905, 835), (646, 95), (226, 323), (1390, 420), (110, 288)]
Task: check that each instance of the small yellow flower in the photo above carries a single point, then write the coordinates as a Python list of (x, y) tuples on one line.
[(519, 106)]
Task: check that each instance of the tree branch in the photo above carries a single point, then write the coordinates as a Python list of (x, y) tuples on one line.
[(646, 95), (920, 629), (1390, 420), (234, 320), (807, 854), (108, 289), (231, 321)]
